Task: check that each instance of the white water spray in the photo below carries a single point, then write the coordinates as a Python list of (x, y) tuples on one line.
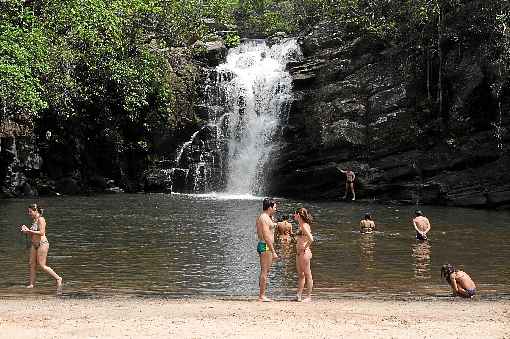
[(257, 95), (247, 99)]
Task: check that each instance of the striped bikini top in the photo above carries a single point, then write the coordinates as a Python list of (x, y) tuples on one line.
[(35, 226)]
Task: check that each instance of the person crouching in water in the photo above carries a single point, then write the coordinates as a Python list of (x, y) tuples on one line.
[(284, 230), (304, 239), (460, 282)]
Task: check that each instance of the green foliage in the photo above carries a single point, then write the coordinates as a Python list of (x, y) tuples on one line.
[(22, 55), (220, 10), (87, 64), (232, 40), (266, 17)]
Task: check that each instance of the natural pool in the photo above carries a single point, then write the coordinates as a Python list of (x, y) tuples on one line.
[(204, 246)]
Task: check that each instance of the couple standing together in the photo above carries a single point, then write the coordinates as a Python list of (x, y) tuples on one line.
[(265, 248)]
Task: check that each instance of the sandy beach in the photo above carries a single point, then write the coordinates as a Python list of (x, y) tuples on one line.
[(123, 317)]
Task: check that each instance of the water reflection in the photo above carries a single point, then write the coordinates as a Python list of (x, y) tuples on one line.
[(200, 245), (367, 251), (421, 254)]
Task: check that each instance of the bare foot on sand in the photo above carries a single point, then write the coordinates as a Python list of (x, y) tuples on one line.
[(265, 299), (306, 300), (59, 284), (30, 286), (298, 297)]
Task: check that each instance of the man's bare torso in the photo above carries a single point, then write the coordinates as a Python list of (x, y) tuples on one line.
[(422, 223), (264, 220)]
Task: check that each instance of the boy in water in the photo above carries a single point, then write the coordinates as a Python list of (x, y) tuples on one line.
[(460, 282)]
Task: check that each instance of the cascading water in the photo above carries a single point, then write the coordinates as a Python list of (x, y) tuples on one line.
[(247, 99)]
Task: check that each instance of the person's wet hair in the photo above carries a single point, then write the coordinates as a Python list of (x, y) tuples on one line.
[(446, 270), (268, 202), (36, 208), (418, 213), (368, 216), (305, 215)]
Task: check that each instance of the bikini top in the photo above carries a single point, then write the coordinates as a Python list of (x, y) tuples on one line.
[(35, 226)]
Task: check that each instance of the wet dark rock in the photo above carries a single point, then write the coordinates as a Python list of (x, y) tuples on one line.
[(179, 179), (68, 186), (5, 193), (25, 190), (356, 104), (47, 189), (158, 180), (97, 182), (276, 38), (498, 198), (212, 53), (20, 162), (114, 190)]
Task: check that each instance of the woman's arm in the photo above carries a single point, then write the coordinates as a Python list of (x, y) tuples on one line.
[(416, 227), (42, 228), (308, 234)]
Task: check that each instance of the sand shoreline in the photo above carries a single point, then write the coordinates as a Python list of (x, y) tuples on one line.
[(152, 317)]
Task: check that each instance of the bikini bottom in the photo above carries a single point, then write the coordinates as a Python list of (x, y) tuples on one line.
[(37, 244)]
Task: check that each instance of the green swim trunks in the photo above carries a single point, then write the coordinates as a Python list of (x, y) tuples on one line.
[(262, 247)]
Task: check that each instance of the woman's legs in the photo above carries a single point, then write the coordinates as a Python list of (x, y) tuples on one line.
[(301, 276), (42, 254), (307, 272), (32, 264)]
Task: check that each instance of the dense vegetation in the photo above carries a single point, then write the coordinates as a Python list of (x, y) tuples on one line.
[(94, 74)]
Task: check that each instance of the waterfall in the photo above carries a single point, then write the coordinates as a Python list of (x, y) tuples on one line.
[(247, 100)]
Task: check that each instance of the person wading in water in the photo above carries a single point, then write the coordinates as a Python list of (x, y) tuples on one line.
[(40, 245)]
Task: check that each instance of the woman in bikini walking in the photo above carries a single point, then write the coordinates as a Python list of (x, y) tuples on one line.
[(304, 253), (40, 245)]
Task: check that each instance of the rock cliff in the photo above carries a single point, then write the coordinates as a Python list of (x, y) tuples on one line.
[(359, 104)]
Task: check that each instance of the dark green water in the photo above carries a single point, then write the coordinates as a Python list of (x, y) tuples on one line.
[(181, 245)]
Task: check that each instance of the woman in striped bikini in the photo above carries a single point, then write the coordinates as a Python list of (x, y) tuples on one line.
[(40, 245)]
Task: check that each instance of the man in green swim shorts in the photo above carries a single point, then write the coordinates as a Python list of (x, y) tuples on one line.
[(265, 233)]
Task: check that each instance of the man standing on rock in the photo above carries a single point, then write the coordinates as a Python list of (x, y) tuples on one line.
[(421, 225), (265, 233), (349, 183)]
